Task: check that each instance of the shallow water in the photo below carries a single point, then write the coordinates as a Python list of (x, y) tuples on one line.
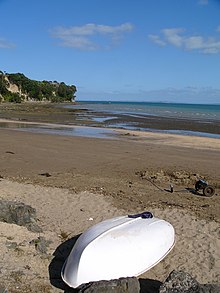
[(60, 130), (95, 132)]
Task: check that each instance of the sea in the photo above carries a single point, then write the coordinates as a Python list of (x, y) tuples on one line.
[(194, 119), (201, 112)]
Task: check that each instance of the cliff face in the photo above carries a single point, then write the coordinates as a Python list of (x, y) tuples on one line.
[(13, 88), (17, 87)]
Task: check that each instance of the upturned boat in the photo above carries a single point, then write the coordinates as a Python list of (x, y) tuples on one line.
[(124, 246)]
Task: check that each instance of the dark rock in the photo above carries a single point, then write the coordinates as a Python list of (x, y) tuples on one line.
[(149, 285), (179, 282), (182, 282), (123, 285), (46, 174), (40, 244), (210, 288), (11, 245), (13, 212)]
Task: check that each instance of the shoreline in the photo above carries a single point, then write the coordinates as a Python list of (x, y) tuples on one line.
[(114, 133), (60, 115)]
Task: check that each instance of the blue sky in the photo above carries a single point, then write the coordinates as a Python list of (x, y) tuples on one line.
[(139, 50)]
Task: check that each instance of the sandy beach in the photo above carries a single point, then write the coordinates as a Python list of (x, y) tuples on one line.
[(75, 182)]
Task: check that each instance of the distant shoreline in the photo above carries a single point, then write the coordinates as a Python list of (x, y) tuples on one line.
[(144, 102)]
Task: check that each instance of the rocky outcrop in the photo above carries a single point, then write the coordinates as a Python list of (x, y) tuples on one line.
[(18, 213), (177, 282), (123, 285), (182, 282), (12, 87)]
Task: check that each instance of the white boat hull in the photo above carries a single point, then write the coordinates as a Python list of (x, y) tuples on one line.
[(118, 247)]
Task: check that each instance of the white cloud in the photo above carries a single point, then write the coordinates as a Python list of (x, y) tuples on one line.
[(172, 36), (203, 2), (177, 38), (4, 44), (156, 39), (87, 37)]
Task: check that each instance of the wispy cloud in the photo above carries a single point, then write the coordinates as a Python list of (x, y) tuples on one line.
[(178, 38), (91, 36), (203, 2), (157, 40), (4, 44)]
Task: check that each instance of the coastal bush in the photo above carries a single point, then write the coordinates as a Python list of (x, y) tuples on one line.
[(13, 97), (34, 90)]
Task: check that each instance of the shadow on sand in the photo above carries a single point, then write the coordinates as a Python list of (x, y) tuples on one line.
[(55, 267), (60, 255), (186, 190), (195, 192)]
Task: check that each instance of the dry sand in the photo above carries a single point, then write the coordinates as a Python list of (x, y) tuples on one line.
[(94, 179)]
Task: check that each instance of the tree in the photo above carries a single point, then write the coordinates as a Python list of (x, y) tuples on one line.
[(36, 90)]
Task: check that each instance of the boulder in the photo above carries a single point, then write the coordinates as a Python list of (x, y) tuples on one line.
[(182, 282), (122, 285), (210, 288), (13, 212)]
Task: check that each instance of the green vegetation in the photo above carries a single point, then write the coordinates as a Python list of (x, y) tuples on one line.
[(25, 89)]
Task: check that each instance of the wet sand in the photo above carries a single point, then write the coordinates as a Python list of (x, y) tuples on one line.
[(114, 167)]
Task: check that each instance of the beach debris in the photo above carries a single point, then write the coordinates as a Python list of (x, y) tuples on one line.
[(205, 206), (13, 212), (10, 152), (41, 244), (64, 235), (46, 174), (123, 285), (11, 245), (90, 219), (130, 183), (182, 282), (27, 267), (171, 188), (181, 177), (98, 189)]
